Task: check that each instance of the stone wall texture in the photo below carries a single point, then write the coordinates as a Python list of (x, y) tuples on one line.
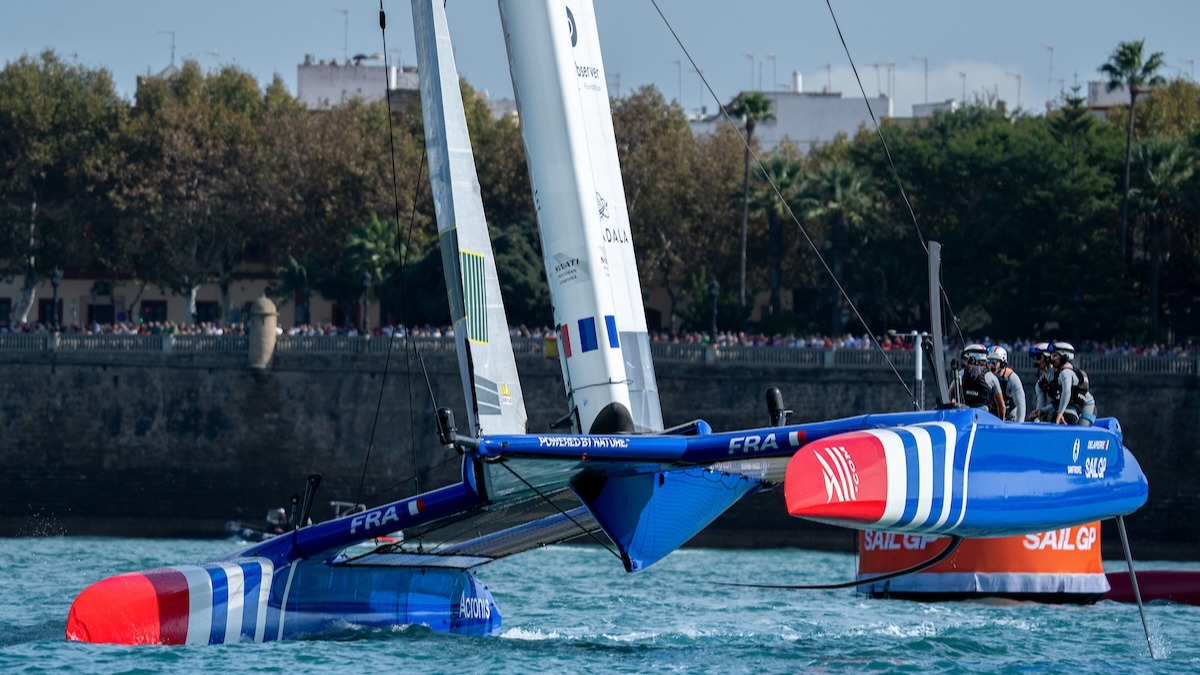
[(175, 444)]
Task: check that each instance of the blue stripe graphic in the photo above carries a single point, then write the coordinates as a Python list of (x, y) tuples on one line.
[(220, 605), (250, 600), (937, 438), (912, 496), (587, 334), (610, 322)]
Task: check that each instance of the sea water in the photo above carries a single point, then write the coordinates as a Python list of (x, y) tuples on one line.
[(573, 609)]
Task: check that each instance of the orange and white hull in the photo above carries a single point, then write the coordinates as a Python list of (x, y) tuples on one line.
[(1056, 566)]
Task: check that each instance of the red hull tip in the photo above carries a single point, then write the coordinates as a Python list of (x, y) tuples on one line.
[(140, 608), (841, 479)]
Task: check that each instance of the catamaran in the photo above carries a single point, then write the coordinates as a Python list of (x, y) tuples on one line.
[(619, 477)]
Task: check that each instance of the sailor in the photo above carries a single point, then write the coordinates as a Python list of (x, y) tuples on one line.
[(1046, 387), (1076, 405), (1010, 383), (980, 388)]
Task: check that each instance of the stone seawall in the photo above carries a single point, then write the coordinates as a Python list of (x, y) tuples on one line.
[(175, 444)]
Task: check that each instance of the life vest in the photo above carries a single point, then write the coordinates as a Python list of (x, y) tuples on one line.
[(1048, 383), (1080, 390), (976, 393), (1009, 402)]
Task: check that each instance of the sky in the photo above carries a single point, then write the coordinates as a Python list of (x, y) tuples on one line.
[(1022, 51)]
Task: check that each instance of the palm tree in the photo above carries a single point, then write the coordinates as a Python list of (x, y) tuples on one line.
[(1166, 167), (841, 194), (753, 107), (1126, 68), (781, 172)]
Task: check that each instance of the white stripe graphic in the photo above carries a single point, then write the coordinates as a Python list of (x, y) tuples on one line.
[(924, 475), (832, 484), (838, 455), (951, 439), (264, 595), (200, 604), (236, 604), (966, 472), (287, 590), (897, 476)]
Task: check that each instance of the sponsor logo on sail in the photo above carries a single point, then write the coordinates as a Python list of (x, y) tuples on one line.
[(571, 27), (839, 473)]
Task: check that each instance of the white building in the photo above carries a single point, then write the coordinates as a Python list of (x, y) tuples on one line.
[(807, 118), (321, 85)]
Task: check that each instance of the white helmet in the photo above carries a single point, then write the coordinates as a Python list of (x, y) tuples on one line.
[(1066, 349), (974, 353), (999, 354)]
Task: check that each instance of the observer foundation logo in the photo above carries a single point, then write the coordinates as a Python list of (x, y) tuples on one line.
[(571, 25)]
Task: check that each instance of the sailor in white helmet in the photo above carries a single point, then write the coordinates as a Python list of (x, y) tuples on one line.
[(980, 388), (1010, 383), (1076, 405)]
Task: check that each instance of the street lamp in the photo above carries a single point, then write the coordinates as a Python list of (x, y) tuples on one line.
[(366, 322), (55, 279)]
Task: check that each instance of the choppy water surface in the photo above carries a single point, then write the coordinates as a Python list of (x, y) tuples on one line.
[(574, 609)]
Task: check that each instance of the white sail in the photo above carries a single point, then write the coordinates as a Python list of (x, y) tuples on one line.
[(566, 123), (489, 371)]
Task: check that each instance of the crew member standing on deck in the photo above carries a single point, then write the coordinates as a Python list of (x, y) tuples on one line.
[(980, 388), (1046, 387), (1076, 405), (1010, 384)]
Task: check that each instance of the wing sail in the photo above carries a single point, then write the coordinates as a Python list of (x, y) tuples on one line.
[(486, 362)]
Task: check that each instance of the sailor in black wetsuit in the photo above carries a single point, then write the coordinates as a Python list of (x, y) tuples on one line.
[(980, 388), (1076, 405)]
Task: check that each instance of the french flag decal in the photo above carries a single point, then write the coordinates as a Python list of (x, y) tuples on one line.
[(566, 340), (587, 335)]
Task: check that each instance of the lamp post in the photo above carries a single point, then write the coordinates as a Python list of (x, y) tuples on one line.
[(55, 279), (366, 322), (714, 289)]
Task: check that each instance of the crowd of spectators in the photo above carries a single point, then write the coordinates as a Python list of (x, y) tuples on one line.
[(886, 342)]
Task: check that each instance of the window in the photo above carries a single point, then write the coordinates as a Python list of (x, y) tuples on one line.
[(154, 311), (208, 311), (101, 314), (46, 312)]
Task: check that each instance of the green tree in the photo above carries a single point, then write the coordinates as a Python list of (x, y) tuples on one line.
[(841, 194), (780, 176), (1166, 166), (1128, 68), (58, 121), (751, 107)]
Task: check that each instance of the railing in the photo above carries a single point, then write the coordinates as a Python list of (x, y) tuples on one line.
[(805, 357)]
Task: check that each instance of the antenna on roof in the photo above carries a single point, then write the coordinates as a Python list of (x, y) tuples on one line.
[(172, 34)]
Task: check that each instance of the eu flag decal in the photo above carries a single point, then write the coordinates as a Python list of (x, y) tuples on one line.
[(474, 296), (587, 334)]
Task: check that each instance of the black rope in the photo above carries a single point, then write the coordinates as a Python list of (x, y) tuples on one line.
[(788, 207), (891, 164), (951, 547), (404, 254)]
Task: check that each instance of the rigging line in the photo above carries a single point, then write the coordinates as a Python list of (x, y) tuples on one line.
[(559, 509), (951, 547), (888, 153), (403, 253), (775, 188)]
